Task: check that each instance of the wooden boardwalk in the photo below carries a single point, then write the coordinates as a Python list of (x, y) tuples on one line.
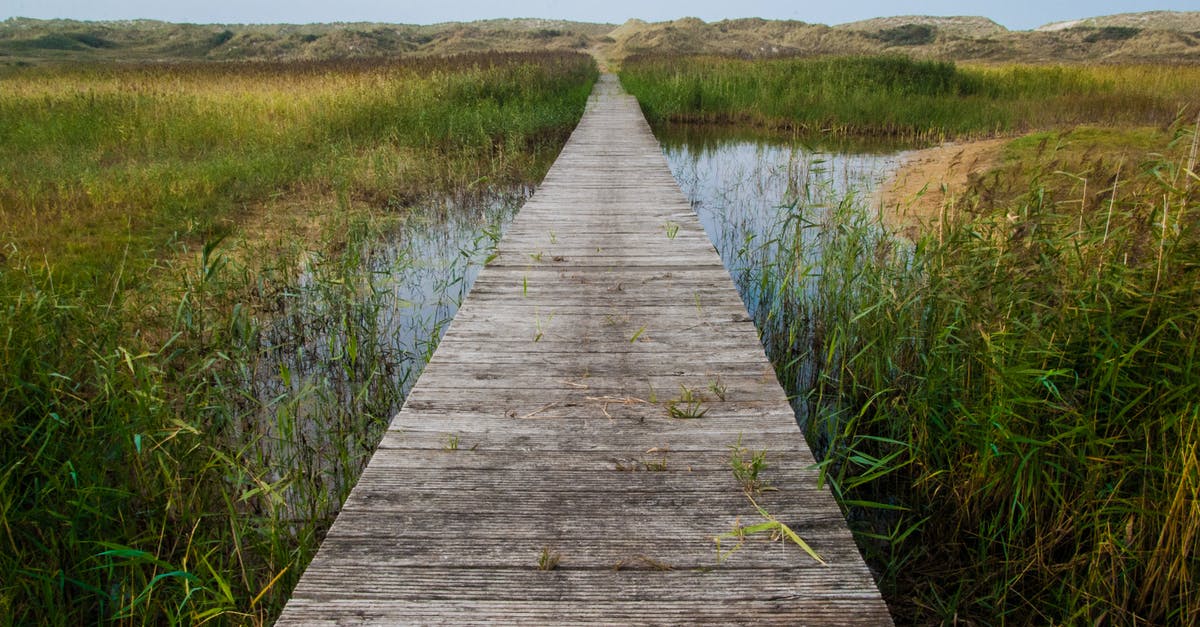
[(540, 431)]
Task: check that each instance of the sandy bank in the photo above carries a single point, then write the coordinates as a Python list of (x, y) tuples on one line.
[(926, 179)]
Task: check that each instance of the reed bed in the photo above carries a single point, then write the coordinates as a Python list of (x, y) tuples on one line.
[(1007, 408), (902, 98), (159, 463)]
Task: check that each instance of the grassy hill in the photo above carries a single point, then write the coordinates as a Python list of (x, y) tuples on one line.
[(961, 26), (1159, 36), (941, 38), (1178, 21), (28, 40)]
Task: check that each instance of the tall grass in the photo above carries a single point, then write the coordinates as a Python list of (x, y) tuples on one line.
[(1007, 408), (144, 475), (899, 97), (96, 158)]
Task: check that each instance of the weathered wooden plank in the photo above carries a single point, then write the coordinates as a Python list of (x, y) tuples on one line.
[(480, 376), (620, 434), (814, 610), (675, 363), (542, 424), (617, 442), (365, 580)]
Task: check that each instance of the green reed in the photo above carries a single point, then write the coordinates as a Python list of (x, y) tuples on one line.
[(154, 230), (926, 101), (1007, 407)]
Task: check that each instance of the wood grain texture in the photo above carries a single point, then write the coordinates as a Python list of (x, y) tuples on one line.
[(541, 425)]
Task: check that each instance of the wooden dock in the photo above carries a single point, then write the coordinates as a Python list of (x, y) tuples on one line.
[(535, 474)]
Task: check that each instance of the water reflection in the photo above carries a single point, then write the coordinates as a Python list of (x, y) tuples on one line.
[(755, 195), (356, 330), (761, 198), (408, 287)]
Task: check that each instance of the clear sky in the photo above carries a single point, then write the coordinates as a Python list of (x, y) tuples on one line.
[(1014, 14)]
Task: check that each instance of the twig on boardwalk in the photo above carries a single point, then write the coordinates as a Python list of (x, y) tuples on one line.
[(540, 409), (624, 400)]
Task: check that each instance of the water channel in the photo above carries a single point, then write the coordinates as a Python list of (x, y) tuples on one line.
[(355, 335), (764, 201), (355, 332)]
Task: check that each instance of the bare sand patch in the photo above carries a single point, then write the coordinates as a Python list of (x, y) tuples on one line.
[(927, 179)]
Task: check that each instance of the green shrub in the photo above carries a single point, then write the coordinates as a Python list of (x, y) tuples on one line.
[(907, 35)]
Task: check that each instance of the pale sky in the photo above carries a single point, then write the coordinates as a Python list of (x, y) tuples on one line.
[(1014, 14)]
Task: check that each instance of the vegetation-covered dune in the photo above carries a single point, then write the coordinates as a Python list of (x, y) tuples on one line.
[(1172, 21), (31, 40), (1162, 36), (950, 39)]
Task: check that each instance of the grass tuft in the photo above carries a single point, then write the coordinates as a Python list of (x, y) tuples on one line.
[(689, 405), (548, 559), (748, 471)]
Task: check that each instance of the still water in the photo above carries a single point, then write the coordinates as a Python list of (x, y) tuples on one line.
[(358, 328), (764, 201), (750, 192), (404, 289), (355, 331)]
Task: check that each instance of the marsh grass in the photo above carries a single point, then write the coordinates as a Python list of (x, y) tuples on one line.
[(902, 98), (188, 385), (1007, 408), (108, 163)]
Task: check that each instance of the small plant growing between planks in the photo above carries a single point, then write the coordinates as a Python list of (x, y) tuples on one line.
[(642, 562), (655, 465), (672, 229), (718, 388), (454, 443), (548, 559), (748, 471), (688, 405), (539, 333)]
